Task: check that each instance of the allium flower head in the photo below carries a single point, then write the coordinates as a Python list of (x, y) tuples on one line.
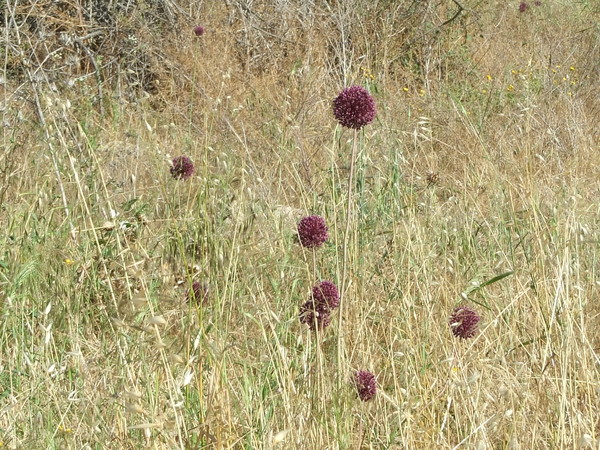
[(198, 293), (365, 385), (312, 231), (354, 107), (326, 294), (464, 321), (182, 168), (198, 30), (314, 315), (523, 7)]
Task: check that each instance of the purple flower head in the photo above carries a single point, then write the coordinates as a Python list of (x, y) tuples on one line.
[(326, 295), (182, 168), (354, 107), (312, 231), (198, 30), (464, 321), (314, 316), (523, 7), (365, 385), (198, 293)]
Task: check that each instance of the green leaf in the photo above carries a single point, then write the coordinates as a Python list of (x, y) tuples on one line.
[(493, 280)]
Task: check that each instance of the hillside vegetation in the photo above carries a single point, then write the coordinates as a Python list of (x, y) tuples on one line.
[(475, 186)]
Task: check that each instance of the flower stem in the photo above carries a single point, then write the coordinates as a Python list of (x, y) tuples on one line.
[(343, 284)]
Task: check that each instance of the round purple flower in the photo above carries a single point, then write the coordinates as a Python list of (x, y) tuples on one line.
[(314, 316), (523, 7), (354, 107), (198, 293), (464, 321), (198, 30), (312, 231), (326, 294), (182, 168), (365, 385)]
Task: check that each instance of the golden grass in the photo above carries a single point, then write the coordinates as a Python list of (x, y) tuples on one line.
[(482, 161)]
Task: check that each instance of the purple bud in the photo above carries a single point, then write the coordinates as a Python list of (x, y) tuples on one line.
[(464, 321), (365, 385), (354, 107), (312, 231), (198, 293), (182, 168), (198, 30), (314, 316), (326, 294)]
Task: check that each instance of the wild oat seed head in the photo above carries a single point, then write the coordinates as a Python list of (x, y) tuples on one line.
[(464, 321), (326, 294), (354, 107), (198, 30), (365, 385), (315, 316), (182, 168), (312, 231)]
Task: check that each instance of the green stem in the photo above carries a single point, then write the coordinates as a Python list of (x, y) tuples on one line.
[(344, 282)]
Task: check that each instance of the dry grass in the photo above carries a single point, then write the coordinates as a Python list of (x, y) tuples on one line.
[(482, 161)]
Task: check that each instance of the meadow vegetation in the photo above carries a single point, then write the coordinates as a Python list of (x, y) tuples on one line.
[(476, 185)]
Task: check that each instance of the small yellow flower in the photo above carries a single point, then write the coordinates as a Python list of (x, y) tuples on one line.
[(69, 262), (514, 72), (422, 92), (405, 89), (489, 77), (572, 68), (484, 91), (510, 88), (367, 73)]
